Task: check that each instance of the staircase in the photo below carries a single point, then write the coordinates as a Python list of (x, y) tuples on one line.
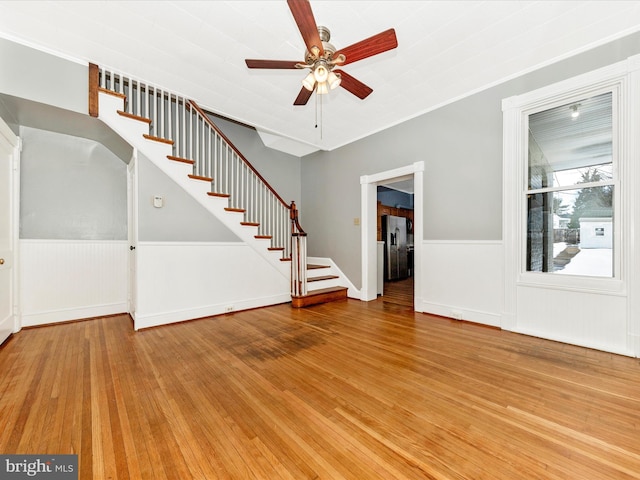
[(323, 285), (180, 139)]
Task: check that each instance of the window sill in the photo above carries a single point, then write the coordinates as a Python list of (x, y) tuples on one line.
[(574, 283)]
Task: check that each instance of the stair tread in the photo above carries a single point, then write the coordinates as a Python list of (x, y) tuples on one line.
[(322, 277), (312, 266), (158, 139), (216, 194), (200, 177), (180, 159), (134, 117), (112, 93)]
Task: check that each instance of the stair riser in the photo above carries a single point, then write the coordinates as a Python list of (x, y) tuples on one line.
[(301, 302), (311, 286), (315, 274), (179, 168)]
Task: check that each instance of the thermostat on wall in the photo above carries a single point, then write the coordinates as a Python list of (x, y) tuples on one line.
[(158, 201)]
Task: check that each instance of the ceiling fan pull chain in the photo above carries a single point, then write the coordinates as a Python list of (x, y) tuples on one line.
[(316, 110), (320, 118)]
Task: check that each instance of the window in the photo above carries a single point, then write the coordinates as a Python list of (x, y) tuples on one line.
[(570, 187)]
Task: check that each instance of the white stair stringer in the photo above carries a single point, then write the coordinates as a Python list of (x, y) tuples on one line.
[(332, 269), (133, 130)]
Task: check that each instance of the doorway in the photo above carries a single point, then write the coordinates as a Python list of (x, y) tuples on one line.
[(369, 186), (9, 161), (395, 238)]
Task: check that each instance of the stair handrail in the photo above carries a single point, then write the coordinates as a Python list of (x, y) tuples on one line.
[(167, 114), (235, 149)]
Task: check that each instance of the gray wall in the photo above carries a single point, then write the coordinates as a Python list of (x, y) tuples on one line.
[(70, 188), (181, 219), (394, 198), (44, 78), (461, 145), (280, 169)]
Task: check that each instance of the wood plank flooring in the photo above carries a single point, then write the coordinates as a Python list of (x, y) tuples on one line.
[(350, 390), (399, 292)]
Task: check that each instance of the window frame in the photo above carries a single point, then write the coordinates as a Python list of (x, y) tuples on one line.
[(618, 79), (559, 101)]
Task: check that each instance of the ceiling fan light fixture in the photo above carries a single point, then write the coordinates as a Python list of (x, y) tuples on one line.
[(321, 73), (309, 82), (333, 80), (322, 88)]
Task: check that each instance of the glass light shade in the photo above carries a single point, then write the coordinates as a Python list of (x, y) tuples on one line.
[(321, 73), (333, 80), (309, 82), (322, 88)]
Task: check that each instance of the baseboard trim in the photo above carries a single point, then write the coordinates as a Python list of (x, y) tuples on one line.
[(617, 349), (459, 313), (67, 314), (165, 318)]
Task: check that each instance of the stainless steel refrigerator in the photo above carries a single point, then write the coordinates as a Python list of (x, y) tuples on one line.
[(394, 235)]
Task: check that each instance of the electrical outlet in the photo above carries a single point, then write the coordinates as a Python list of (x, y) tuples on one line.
[(457, 314), (228, 309)]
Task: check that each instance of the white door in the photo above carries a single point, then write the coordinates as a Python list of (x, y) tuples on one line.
[(132, 202), (8, 227)]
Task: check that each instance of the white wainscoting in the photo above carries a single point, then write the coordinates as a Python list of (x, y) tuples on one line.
[(64, 280), (593, 320), (180, 281), (462, 280)]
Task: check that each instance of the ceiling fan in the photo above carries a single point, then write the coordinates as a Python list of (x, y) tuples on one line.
[(322, 58)]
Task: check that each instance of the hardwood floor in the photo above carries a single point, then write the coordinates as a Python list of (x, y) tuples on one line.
[(349, 390), (399, 292)]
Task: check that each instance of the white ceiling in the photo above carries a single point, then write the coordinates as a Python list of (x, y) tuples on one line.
[(447, 49)]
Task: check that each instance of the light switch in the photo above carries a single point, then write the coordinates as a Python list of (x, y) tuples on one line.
[(158, 201), (356, 221)]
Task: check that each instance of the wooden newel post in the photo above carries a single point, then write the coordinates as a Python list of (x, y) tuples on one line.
[(94, 84), (293, 214)]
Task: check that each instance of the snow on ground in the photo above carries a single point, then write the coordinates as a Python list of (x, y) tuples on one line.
[(594, 262)]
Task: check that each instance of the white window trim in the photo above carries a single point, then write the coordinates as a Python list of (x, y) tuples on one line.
[(625, 77)]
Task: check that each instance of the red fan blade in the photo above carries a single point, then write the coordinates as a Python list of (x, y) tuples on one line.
[(303, 97), (270, 63), (303, 15), (369, 47), (353, 85)]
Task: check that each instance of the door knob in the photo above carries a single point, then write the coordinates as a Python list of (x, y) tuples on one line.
[(1, 261), (132, 247)]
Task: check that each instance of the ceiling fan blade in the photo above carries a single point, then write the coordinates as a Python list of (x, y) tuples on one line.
[(281, 64), (354, 85), (303, 15), (303, 97), (369, 47)]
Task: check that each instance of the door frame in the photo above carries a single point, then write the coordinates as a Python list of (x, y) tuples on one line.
[(369, 192), (11, 146), (132, 232)]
